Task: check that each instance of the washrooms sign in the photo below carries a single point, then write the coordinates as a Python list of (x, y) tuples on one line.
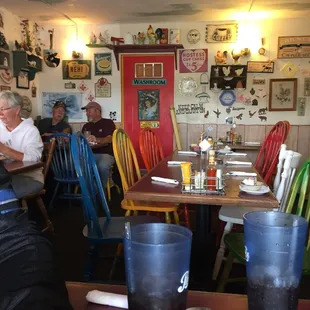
[(192, 61)]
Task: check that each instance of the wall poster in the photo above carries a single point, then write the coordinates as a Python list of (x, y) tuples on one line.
[(148, 105), (294, 47), (192, 61)]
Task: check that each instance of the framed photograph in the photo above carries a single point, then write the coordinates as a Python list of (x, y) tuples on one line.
[(294, 47), (224, 33), (103, 63), (76, 69), (4, 87), (22, 80), (283, 95), (148, 105), (260, 66)]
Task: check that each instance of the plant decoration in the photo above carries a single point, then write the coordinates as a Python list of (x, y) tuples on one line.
[(3, 43)]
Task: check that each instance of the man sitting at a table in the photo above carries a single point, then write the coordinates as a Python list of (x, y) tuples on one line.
[(20, 140), (101, 130), (48, 126)]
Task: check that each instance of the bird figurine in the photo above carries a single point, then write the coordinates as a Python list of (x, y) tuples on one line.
[(101, 38), (17, 45), (220, 58), (226, 70), (151, 35), (239, 71)]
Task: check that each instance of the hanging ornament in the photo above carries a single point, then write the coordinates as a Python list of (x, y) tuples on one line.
[(289, 70), (203, 96), (252, 91), (83, 87), (33, 91)]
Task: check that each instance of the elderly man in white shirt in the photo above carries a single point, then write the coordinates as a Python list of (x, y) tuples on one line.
[(20, 140)]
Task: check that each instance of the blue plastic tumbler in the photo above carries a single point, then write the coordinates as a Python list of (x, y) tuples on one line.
[(274, 250), (157, 259)]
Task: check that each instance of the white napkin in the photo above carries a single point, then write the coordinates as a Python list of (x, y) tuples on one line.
[(204, 145), (241, 174), (110, 299), (175, 162), (165, 180), (187, 153), (240, 163), (236, 154), (252, 143)]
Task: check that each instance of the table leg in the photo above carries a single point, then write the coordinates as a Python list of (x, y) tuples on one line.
[(203, 224)]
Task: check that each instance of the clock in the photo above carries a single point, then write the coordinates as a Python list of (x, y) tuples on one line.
[(193, 36)]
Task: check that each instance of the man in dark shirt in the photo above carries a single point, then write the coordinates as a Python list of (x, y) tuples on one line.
[(48, 126), (101, 130)]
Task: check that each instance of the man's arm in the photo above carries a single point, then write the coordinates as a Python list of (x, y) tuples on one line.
[(8, 152)]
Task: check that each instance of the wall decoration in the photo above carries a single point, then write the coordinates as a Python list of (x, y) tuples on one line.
[(90, 97), (307, 86), (148, 105), (73, 102), (289, 70), (174, 36), (149, 124), (260, 66), (6, 76), (193, 36), (227, 98), (103, 88), (260, 93), (1, 20), (283, 93), (187, 86), (217, 113), (255, 102), (301, 106), (158, 82), (225, 33), (207, 114), (263, 118), (50, 58), (26, 109), (237, 109), (148, 70), (262, 111), (294, 47), (252, 114), (33, 91), (103, 63), (113, 115), (239, 116), (220, 58), (70, 85), (4, 59), (76, 69), (83, 87), (193, 60), (194, 108), (22, 80), (259, 81), (4, 87)]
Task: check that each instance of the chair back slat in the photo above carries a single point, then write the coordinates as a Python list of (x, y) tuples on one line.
[(150, 148), (49, 158), (90, 183), (125, 158)]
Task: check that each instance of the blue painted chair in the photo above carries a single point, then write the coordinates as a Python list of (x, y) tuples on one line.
[(98, 230), (63, 169)]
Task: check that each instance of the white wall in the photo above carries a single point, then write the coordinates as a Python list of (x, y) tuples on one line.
[(51, 78)]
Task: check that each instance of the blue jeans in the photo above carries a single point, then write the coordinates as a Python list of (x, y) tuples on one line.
[(104, 163)]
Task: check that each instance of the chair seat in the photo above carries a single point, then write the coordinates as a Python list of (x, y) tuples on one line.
[(234, 214), (140, 205), (114, 229)]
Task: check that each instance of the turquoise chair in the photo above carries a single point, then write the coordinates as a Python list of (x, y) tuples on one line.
[(298, 203)]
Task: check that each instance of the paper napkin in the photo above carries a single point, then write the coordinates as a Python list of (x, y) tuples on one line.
[(236, 154), (175, 163), (110, 299), (165, 180), (187, 153), (239, 163), (241, 174)]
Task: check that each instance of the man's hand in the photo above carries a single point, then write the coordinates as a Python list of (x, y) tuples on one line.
[(91, 138)]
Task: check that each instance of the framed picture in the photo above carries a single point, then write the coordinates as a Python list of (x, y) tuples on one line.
[(4, 87), (260, 66), (224, 33), (103, 63), (148, 105), (22, 80), (294, 47), (283, 95)]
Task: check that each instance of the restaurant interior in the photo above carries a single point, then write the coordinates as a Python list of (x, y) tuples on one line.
[(179, 81)]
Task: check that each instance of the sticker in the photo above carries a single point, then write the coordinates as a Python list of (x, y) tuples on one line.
[(237, 109), (252, 114), (113, 116), (90, 97), (252, 91), (262, 111), (217, 112), (263, 118), (207, 114), (254, 102), (83, 87), (184, 282), (239, 116)]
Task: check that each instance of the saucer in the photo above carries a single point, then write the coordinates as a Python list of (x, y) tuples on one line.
[(263, 190)]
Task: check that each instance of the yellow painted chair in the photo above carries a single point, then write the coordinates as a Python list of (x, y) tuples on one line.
[(111, 184), (127, 163)]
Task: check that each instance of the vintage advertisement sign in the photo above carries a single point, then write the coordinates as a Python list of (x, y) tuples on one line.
[(103, 63), (102, 88), (260, 66), (193, 60), (294, 47), (76, 69)]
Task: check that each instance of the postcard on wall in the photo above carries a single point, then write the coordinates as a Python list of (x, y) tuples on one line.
[(73, 102), (294, 47), (76, 69), (148, 105), (224, 33), (103, 63), (193, 60), (260, 67), (103, 88)]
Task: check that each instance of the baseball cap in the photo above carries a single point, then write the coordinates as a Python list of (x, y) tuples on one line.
[(59, 104), (92, 104)]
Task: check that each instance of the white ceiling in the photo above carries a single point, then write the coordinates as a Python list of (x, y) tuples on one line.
[(141, 11)]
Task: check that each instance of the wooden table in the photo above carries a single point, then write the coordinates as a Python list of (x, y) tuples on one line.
[(15, 167), (215, 301), (249, 147)]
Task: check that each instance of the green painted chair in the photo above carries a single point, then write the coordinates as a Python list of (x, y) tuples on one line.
[(298, 203)]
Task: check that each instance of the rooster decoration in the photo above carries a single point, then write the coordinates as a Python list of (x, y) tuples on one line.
[(220, 58), (284, 94)]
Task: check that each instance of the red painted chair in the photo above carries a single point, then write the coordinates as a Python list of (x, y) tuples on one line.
[(152, 153)]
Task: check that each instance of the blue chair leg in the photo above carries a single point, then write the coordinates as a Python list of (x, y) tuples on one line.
[(54, 196), (92, 258)]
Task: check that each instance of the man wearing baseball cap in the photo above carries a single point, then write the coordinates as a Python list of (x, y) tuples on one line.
[(101, 130), (48, 126)]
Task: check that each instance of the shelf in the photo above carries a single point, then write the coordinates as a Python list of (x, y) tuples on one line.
[(22, 60), (143, 48)]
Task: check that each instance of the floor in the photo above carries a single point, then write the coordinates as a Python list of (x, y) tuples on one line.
[(71, 251)]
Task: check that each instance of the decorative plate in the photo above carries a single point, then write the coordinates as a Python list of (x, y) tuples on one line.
[(227, 98), (193, 36), (187, 86)]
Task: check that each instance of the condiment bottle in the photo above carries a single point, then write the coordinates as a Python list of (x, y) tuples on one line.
[(211, 171)]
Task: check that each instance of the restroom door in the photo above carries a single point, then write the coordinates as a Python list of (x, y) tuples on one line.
[(139, 99)]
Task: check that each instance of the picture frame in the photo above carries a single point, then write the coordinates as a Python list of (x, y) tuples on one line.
[(103, 63), (222, 33), (293, 47), (22, 80), (260, 67), (148, 105), (4, 87), (282, 94)]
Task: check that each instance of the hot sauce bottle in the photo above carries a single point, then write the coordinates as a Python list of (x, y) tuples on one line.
[(211, 171)]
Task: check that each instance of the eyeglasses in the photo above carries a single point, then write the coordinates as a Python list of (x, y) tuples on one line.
[(5, 109)]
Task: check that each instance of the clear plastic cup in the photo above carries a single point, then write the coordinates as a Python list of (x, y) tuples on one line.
[(157, 259), (274, 247)]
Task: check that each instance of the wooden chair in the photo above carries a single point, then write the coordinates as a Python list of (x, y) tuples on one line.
[(37, 196), (297, 200), (110, 184), (152, 153), (98, 230), (127, 163)]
